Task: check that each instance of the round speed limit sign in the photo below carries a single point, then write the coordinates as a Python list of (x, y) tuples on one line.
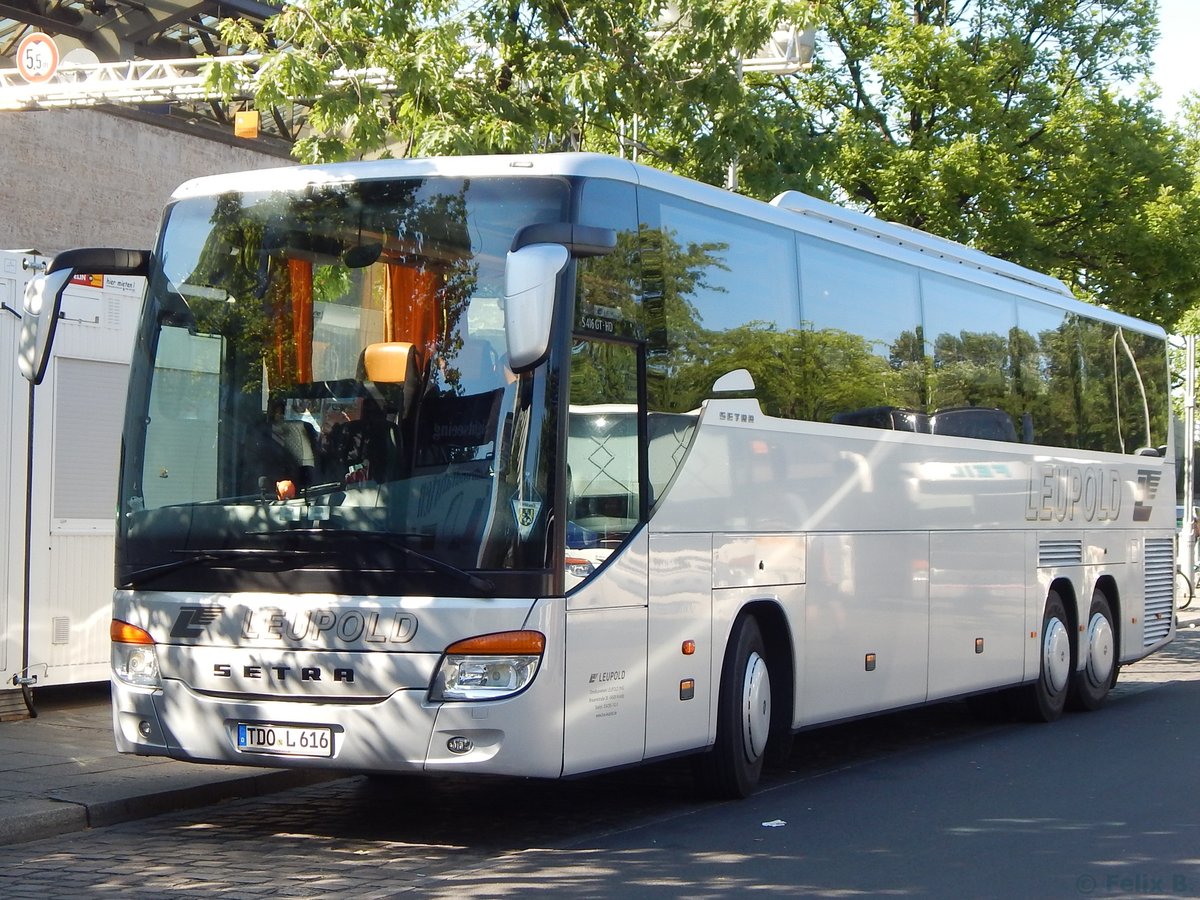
[(37, 57)]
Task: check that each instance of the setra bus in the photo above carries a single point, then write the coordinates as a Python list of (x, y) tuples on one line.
[(550, 464)]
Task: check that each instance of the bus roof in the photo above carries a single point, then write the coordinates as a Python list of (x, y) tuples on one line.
[(921, 241), (592, 165)]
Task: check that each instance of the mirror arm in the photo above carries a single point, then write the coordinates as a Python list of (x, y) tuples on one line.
[(580, 240), (102, 261)]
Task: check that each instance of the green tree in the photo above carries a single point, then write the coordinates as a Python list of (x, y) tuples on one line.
[(1005, 124), (440, 76)]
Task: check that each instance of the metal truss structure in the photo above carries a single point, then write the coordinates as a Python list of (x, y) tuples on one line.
[(149, 55), (133, 81)]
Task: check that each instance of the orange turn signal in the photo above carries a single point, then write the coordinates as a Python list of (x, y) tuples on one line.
[(503, 643), (123, 633)]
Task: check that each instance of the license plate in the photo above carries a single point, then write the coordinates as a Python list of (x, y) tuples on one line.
[(285, 740)]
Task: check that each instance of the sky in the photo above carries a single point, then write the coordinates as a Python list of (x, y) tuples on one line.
[(1175, 68)]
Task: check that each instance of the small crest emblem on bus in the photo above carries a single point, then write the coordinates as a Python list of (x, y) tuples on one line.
[(526, 513), (459, 744)]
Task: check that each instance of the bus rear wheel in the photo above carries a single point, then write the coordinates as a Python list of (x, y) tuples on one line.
[(1045, 699), (1091, 684), (731, 769)]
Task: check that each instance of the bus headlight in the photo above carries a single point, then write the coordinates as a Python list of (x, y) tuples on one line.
[(488, 667), (134, 657)]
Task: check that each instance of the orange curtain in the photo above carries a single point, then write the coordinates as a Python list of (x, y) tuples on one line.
[(412, 305), (300, 273), (279, 363)]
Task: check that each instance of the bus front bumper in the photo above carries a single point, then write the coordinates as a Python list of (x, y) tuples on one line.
[(404, 732)]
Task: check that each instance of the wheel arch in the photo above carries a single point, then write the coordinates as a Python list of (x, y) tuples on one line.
[(1070, 600)]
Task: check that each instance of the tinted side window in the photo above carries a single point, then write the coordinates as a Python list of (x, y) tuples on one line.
[(1123, 390), (720, 295), (1144, 384), (971, 379), (877, 343), (861, 340), (1047, 351)]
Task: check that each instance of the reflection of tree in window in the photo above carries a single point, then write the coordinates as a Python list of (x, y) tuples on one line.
[(862, 321), (283, 256), (967, 327), (1144, 388), (603, 373), (875, 336), (1050, 376), (674, 274), (608, 286), (970, 369)]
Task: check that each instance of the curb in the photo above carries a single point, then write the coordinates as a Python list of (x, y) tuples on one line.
[(36, 819)]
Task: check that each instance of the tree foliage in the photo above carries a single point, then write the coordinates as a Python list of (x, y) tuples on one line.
[(437, 77), (1011, 125)]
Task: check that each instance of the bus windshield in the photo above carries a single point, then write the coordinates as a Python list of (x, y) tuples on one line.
[(320, 392)]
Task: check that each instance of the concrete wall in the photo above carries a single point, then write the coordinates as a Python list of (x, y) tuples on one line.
[(85, 178)]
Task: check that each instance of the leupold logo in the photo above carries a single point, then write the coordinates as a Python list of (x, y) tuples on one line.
[(1071, 493), (192, 620), (1145, 493), (305, 627)]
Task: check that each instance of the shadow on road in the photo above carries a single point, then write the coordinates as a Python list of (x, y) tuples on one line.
[(929, 802)]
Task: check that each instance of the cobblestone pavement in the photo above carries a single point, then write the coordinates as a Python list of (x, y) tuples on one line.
[(352, 838), (366, 838), (1178, 661)]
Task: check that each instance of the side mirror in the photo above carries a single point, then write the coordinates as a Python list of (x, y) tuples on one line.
[(530, 276), (538, 255), (43, 299)]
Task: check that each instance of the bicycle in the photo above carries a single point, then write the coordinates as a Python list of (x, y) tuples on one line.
[(1185, 589)]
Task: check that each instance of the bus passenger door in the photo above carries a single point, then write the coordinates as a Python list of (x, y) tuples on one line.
[(605, 722), (607, 549)]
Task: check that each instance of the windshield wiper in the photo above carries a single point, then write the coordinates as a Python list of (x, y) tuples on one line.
[(395, 542), (283, 560)]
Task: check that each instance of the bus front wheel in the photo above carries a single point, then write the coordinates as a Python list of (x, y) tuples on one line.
[(732, 767), (1045, 699)]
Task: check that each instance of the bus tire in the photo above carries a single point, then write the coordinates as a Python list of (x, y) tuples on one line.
[(1045, 699), (731, 768), (1091, 684)]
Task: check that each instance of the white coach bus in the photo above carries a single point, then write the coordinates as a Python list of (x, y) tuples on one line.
[(545, 465)]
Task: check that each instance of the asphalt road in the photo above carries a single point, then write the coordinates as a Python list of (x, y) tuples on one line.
[(931, 803)]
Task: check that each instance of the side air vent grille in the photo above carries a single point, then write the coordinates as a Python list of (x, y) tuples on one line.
[(1160, 590), (1059, 553)]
